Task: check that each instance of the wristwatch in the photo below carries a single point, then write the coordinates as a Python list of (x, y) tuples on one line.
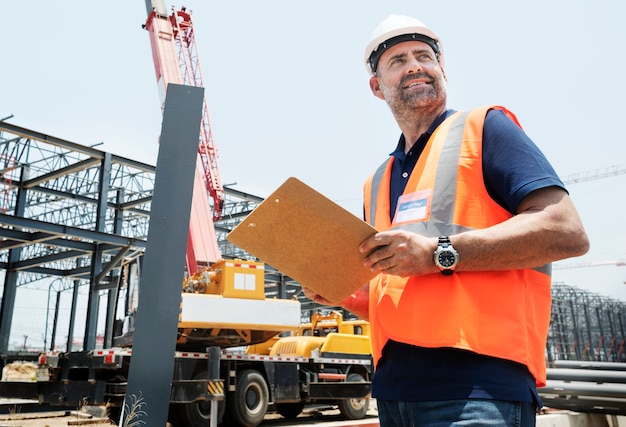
[(446, 257)]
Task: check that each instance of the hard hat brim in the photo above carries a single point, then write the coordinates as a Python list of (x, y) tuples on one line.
[(374, 57), (395, 26)]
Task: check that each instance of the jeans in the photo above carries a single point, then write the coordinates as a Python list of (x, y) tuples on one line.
[(466, 412)]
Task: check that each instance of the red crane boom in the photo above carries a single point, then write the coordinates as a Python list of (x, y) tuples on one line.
[(176, 60), (192, 75)]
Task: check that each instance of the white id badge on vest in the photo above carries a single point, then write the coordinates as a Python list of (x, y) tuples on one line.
[(413, 207)]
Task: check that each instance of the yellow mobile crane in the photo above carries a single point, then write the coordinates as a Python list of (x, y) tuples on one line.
[(327, 361)]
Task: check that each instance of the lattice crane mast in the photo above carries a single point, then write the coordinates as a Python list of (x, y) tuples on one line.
[(618, 263), (176, 60), (595, 174), (591, 175)]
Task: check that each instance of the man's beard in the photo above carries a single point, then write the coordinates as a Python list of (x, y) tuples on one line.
[(402, 101)]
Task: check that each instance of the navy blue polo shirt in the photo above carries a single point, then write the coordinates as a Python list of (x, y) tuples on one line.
[(513, 167)]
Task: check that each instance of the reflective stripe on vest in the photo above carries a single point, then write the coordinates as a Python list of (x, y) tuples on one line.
[(444, 187), (503, 314)]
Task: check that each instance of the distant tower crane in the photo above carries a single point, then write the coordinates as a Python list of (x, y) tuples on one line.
[(618, 263), (590, 176), (176, 60), (594, 174)]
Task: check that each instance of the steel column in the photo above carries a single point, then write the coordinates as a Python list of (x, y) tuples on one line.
[(91, 326), (10, 277), (154, 342)]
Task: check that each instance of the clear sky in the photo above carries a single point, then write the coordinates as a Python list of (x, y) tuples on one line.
[(288, 92)]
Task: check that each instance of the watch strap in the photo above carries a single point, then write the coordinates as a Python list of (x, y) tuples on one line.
[(444, 240), (444, 243)]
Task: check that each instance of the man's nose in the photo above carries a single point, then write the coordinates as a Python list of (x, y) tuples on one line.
[(413, 65)]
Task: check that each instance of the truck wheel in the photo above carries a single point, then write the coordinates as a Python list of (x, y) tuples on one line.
[(354, 409), (247, 405), (197, 414), (290, 410)]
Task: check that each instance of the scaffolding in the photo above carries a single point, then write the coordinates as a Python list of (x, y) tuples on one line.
[(585, 326), (72, 215)]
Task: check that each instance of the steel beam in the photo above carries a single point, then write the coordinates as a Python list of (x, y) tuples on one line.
[(154, 342), (581, 364)]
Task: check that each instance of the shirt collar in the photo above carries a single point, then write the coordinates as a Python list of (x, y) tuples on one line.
[(399, 151)]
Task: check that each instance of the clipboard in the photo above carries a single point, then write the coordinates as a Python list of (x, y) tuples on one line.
[(308, 237)]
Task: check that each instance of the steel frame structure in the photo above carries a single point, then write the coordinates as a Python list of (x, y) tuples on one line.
[(68, 211), (585, 326), (73, 215)]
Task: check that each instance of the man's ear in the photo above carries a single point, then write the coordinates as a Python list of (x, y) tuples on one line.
[(375, 87)]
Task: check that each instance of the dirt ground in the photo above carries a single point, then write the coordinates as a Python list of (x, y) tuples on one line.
[(52, 419), (17, 418), (62, 420)]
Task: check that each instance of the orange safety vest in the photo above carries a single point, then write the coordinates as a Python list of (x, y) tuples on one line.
[(504, 314)]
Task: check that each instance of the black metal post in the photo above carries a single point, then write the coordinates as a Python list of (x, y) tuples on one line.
[(154, 341)]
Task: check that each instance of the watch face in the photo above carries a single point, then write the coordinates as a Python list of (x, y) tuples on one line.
[(447, 259)]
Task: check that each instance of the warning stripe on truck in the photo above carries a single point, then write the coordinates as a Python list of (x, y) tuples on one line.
[(215, 387), (244, 357), (263, 358)]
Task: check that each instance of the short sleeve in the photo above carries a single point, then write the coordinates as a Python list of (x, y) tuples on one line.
[(513, 165)]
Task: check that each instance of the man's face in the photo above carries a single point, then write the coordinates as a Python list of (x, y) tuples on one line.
[(409, 77)]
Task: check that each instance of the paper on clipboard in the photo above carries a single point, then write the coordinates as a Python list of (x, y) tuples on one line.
[(308, 237)]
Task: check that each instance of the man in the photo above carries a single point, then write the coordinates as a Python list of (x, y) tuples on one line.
[(470, 215)]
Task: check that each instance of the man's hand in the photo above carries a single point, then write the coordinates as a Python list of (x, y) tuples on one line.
[(315, 297), (400, 253), (357, 303)]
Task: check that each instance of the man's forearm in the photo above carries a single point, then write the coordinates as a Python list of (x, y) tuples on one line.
[(358, 303)]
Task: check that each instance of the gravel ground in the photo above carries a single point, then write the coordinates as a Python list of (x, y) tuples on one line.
[(23, 418), (52, 419)]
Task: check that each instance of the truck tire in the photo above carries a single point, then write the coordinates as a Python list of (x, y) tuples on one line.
[(197, 414), (354, 409), (172, 416), (290, 410), (247, 405)]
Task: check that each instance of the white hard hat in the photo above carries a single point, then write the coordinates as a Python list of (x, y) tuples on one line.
[(396, 29)]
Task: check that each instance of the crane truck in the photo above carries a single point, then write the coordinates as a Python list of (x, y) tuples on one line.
[(327, 361)]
